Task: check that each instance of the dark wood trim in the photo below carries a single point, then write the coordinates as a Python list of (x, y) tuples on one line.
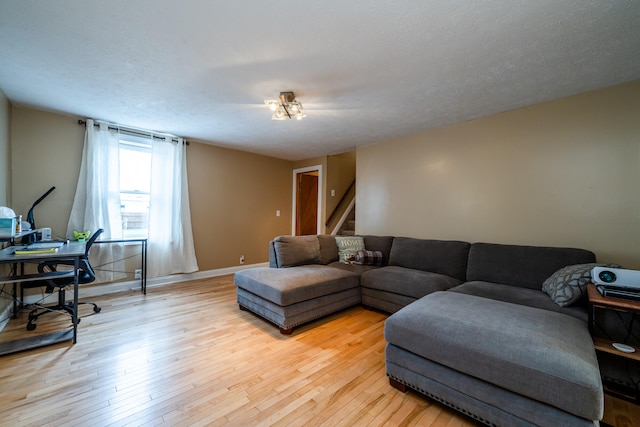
[(397, 385)]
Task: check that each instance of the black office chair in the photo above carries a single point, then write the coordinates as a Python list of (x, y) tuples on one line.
[(85, 275)]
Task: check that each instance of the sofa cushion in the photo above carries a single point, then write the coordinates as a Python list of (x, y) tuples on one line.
[(383, 300), (569, 284), (406, 281), (296, 250), (437, 256), (524, 266), (542, 355), (328, 249), (348, 246), (286, 286), (523, 296), (353, 268)]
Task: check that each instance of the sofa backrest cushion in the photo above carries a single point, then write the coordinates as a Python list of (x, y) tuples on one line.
[(448, 257), (379, 243), (524, 266), (328, 248), (296, 250)]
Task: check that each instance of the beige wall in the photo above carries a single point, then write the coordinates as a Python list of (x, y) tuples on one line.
[(234, 198), (562, 173), (234, 195), (46, 150), (5, 150)]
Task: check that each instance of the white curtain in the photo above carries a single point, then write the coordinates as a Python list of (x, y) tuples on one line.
[(97, 200), (97, 203), (170, 247)]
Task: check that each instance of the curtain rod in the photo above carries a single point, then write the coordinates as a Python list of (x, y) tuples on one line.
[(133, 132)]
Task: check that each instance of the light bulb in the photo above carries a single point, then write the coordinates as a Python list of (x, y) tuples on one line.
[(278, 115)]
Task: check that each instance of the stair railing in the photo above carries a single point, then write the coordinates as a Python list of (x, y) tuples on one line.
[(337, 208), (344, 217)]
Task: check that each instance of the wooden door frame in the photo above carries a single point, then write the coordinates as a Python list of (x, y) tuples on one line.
[(295, 196)]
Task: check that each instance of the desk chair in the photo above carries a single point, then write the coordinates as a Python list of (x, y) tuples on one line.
[(85, 275)]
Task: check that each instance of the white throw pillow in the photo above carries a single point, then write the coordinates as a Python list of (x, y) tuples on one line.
[(348, 246)]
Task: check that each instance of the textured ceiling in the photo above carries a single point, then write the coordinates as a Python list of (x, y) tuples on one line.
[(365, 70)]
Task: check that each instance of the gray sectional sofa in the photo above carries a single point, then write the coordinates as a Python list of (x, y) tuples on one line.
[(471, 326)]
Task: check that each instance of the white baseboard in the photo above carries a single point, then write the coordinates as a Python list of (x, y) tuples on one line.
[(134, 285)]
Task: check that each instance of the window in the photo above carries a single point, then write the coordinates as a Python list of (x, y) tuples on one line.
[(135, 186)]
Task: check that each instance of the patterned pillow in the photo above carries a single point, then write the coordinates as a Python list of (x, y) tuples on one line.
[(569, 284), (368, 258), (348, 246)]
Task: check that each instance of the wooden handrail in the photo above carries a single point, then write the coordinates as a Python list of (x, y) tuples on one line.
[(342, 199)]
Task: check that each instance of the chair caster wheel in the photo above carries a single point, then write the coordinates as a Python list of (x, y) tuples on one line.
[(31, 326), (97, 309)]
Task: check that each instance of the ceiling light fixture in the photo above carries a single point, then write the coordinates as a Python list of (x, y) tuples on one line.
[(286, 107)]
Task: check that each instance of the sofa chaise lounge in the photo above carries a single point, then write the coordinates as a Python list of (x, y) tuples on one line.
[(470, 327)]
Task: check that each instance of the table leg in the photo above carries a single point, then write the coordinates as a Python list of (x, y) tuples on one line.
[(74, 315), (144, 267)]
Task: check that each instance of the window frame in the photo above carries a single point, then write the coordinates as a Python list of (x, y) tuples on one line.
[(133, 144)]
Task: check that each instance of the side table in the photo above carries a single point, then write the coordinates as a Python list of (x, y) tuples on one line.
[(599, 302)]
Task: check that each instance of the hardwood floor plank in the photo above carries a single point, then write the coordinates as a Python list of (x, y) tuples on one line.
[(185, 355)]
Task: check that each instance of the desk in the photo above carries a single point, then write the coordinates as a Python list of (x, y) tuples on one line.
[(72, 251), (143, 255)]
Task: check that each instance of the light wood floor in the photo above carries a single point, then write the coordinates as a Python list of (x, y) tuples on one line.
[(185, 355)]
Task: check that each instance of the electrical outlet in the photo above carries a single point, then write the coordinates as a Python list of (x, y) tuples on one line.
[(241, 259), (137, 273)]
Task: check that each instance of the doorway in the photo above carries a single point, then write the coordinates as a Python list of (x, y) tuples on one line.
[(307, 201)]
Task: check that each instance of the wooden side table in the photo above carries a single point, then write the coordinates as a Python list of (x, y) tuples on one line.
[(619, 403), (597, 301)]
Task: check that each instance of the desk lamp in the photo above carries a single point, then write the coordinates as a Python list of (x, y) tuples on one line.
[(30, 219)]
